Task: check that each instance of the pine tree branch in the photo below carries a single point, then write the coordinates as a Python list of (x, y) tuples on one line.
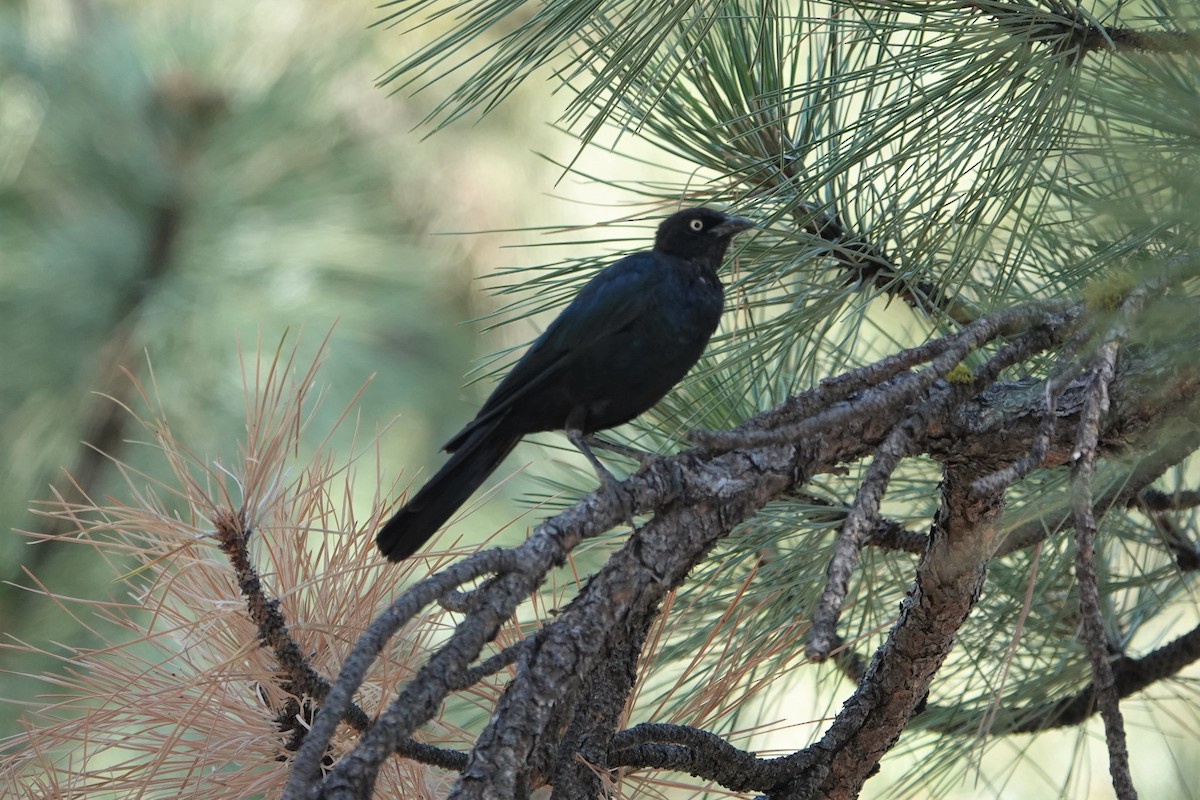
[(905, 439), (505, 658), (891, 386), (1071, 30), (617, 604), (1096, 636), (696, 497), (355, 773), (1176, 445), (948, 582), (303, 681), (1130, 676), (700, 753)]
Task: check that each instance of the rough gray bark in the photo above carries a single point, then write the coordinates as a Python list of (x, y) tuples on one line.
[(557, 721)]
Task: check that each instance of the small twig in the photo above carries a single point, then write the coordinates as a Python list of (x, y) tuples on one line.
[(1095, 408), (888, 534), (852, 664), (1183, 549), (1157, 506), (339, 699), (702, 754), (233, 534), (901, 389), (461, 602), (823, 636), (457, 601), (1085, 570), (493, 664), (891, 535), (1061, 377), (1003, 478), (866, 263)]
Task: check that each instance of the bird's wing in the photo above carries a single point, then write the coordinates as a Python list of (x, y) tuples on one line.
[(608, 303)]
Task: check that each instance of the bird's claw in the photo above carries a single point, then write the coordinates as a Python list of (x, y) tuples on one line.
[(641, 456), (610, 482)]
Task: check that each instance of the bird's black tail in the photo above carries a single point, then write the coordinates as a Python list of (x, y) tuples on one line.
[(473, 460)]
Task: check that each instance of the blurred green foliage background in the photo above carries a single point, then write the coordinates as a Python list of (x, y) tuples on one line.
[(178, 181)]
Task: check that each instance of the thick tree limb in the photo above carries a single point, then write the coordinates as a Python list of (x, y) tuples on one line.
[(949, 580), (624, 594), (582, 751), (696, 497)]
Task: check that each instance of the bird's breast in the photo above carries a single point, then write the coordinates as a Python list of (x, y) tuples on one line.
[(693, 307)]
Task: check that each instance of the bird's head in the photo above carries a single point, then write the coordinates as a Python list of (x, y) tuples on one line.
[(699, 234)]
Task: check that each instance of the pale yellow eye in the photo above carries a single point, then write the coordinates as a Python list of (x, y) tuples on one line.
[(696, 225)]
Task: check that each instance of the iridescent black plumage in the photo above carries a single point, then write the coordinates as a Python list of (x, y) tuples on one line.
[(629, 336)]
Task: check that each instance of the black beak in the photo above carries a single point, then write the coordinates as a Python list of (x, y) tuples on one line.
[(732, 226)]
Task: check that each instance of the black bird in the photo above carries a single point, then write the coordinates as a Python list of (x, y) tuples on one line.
[(630, 334)]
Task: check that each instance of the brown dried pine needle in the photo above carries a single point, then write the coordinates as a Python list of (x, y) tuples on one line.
[(182, 700)]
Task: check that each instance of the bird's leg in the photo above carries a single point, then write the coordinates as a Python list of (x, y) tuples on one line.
[(640, 456), (610, 481), (581, 443)]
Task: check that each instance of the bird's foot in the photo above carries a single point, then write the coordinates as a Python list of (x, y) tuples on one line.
[(607, 478), (641, 456)]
